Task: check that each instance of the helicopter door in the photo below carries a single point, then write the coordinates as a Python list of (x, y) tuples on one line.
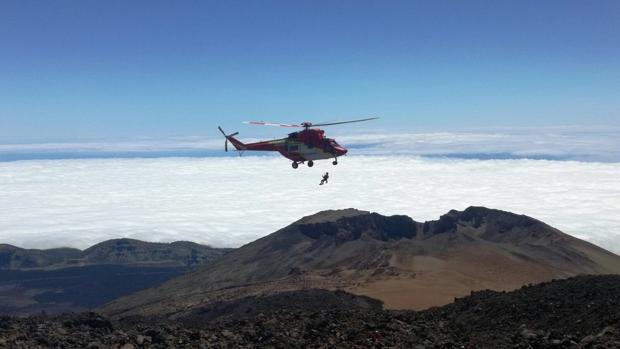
[(292, 147)]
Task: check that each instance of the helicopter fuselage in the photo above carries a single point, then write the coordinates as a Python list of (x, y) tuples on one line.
[(303, 146)]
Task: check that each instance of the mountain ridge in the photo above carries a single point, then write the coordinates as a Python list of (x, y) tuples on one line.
[(123, 251), (404, 263), (66, 279)]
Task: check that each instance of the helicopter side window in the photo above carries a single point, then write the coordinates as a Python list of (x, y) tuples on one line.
[(293, 148)]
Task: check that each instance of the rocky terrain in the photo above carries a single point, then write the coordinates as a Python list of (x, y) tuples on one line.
[(404, 263), (579, 312), (65, 279)]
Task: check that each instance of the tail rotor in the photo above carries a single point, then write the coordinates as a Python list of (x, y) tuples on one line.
[(226, 136)]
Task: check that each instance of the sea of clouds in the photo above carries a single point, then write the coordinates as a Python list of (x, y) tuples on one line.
[(591, 144), (229, 201)]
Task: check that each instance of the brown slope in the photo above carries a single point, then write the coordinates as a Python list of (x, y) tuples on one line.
[(404, 263)]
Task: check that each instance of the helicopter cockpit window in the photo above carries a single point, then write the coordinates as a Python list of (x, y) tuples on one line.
[(328, 144)]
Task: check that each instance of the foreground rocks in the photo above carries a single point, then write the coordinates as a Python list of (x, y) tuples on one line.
[(581, 312)]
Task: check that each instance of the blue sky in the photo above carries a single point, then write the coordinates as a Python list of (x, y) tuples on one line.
[(74, 70)]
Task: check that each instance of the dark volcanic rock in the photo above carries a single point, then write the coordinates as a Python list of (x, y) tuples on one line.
[(558, 310), (581, 312), (249, 307), (386, 228), (351, 228)]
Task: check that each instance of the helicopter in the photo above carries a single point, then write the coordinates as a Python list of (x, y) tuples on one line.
[(305, 146)]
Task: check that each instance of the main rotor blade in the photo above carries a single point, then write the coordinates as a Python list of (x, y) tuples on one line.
[(343, 122), (222, 131), (263, 123)]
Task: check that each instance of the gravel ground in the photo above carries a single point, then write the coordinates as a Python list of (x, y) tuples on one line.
[(580, 312)]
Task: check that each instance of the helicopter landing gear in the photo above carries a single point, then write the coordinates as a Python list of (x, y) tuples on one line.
[(310, 163), (335, 162), (295, 164)]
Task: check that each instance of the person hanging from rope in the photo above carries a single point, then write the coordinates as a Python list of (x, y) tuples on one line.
[(325, 177)]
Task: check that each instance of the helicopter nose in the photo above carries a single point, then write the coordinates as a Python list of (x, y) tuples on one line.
[(340, 151)]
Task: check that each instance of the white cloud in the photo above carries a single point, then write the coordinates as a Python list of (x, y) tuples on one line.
[(555, 143), (231, 201), (566, 143)]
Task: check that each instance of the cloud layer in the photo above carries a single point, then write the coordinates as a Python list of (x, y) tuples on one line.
[(232, 201), (568, 143)]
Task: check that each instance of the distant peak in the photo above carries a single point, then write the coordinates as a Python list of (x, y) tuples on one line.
[(352, 224), (8, 247), (481, 211), (476, 215), (331, 216), (347, 225)]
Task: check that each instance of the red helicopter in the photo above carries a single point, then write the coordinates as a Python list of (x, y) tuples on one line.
[(302, 146)]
